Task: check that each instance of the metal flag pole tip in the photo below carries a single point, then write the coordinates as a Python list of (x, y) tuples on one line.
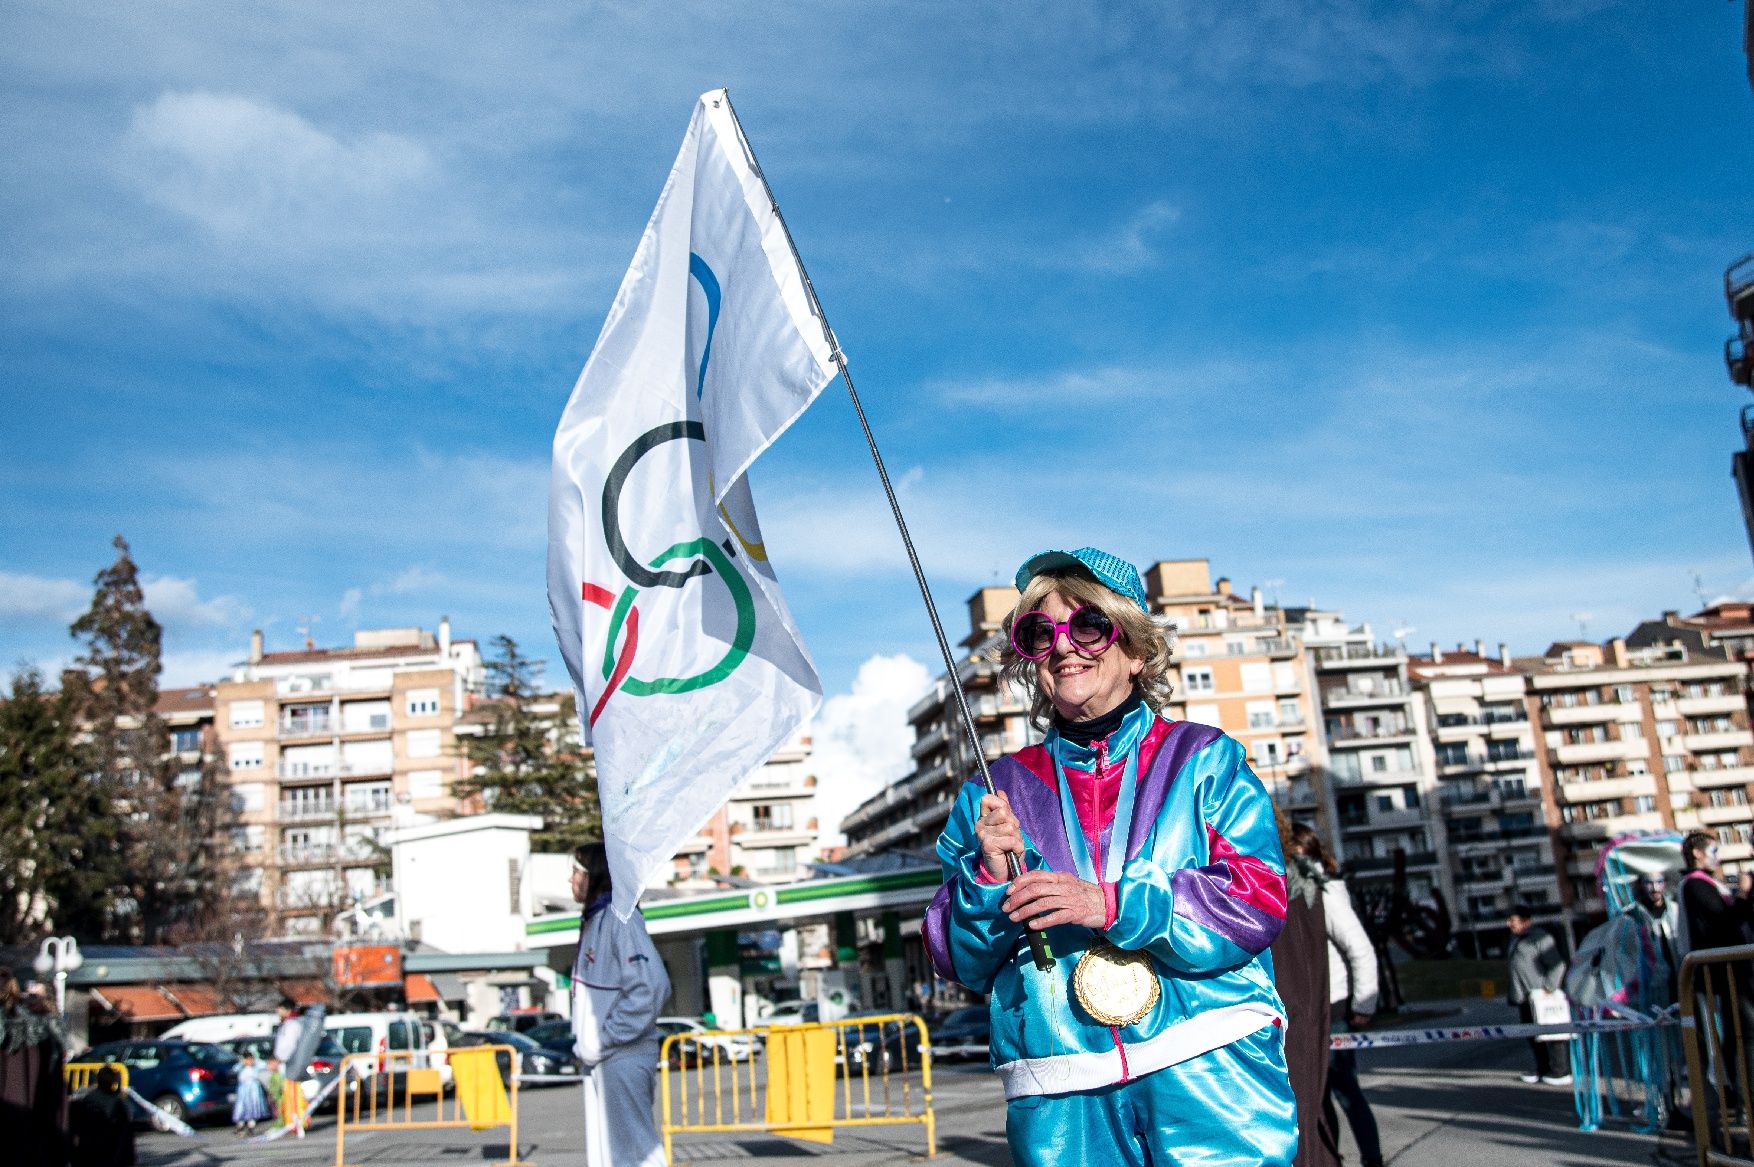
[(1038, 946)]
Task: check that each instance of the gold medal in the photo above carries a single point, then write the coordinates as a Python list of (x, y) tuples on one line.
[(1115, 986)]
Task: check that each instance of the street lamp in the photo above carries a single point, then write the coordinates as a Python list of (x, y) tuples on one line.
[(60, 956)]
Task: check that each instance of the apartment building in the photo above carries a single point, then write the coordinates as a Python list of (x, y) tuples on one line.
[(768, 831), (1639, 739), (1491, 800), (1240, 668), (329, 748), (1379, 775)]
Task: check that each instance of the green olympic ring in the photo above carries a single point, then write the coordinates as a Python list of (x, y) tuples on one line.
[(741, 641)]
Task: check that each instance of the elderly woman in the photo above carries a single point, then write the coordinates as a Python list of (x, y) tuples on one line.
[(1152, 863)]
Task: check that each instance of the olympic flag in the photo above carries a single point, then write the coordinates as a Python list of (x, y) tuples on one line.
[(689, 670)]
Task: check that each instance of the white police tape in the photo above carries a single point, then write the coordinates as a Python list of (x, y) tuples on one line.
[(1387, 1038), (163, 1119)]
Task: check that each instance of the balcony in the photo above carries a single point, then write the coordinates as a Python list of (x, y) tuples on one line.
[(294, 771), (1357, 655), (1584, 753), (1729, 739), (1341, 778), (1389, 820), (1376, 863), (925, 745), (307, 854), (1709, 706), (1462, 794), (1718, 815), (305, 811), (1606, 788), (368, 808), (1607, 711), (1348, 735), (1353, 698), (307, 727), (1722, 776)]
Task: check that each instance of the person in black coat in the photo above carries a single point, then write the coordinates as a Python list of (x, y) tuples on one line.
[(33, 1097), (101, 1127)]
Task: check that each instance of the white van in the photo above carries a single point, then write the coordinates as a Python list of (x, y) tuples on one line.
[(223, 1027), (383, 1033)]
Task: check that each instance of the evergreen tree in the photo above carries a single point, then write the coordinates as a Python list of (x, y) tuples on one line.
[(53, 830), (526, 758), (171, 821)]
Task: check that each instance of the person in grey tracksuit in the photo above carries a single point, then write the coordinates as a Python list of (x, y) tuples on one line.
[(618, 988)]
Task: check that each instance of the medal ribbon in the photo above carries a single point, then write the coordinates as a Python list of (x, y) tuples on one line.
[(1128, 738)]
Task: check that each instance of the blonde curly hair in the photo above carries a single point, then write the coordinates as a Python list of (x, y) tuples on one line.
[(1143, 637)]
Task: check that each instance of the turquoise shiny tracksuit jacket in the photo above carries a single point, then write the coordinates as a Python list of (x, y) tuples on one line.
[(1200, 887)]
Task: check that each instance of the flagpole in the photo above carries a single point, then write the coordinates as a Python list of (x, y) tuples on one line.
[(1038, 946)]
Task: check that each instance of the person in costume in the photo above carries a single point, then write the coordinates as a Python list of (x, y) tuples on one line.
[(619, 987), (1301, 974), (249, 1104), (1151, 862)]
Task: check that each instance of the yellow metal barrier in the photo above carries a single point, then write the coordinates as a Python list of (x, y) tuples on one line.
[(1714, 989), (402, 1078), (83, 1075), (813, 1079)]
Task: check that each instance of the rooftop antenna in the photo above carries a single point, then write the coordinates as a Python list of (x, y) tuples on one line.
[(1401, 633), (1273, 586), (1699, 589), (304, 629), (1583, 623)]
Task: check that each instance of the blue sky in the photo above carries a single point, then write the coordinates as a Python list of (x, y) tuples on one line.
[(1414, 307)]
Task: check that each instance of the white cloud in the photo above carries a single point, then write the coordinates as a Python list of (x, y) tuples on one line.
[(175, 601), (249, 170), (183, 669), (26, 597), (862, 737)]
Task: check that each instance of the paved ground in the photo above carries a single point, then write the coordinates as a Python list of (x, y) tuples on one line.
[(1438, 1106)]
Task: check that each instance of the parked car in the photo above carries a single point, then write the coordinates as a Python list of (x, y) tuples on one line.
[(964, 1035), (222, 1027), (188, 1080), (731, 1047), (521, 1020), (534, 1058), (556, 1035), (324, 1068), (385, 1033), (793, 1013), (882, 1045)]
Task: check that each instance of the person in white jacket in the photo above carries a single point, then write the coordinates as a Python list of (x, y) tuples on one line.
[(618, 989), (1352, 990)]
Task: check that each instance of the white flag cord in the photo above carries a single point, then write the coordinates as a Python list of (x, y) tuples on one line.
[(1037, 942)]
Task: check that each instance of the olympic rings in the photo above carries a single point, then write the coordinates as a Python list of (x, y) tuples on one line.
[(617, 665), (741, 641)]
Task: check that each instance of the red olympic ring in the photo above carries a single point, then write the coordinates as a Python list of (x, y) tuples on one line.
[(605, 599)]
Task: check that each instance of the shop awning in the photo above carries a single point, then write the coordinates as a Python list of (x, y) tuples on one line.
[(418, 989), (137, 1003), (197, 1000), (305, 991)]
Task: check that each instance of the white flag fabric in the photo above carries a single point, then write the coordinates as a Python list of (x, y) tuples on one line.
[(689, 669)]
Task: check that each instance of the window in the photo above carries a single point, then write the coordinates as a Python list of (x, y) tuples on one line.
[(426, 784), (368, 797), (1625, 694), (1257, 677), (1674, 762), (423, 743), (1385, 803), (248, 838), (1668, 728), (1269, 753), (1198, 681), (772, 817), (246, 714), (423, 702), (1631, 731), (247, 797), (1644, 803), (1203, 714), (186, 741), (1452, 754), (365, 716), (1289, 714), (1260, 715), (246, 755)]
